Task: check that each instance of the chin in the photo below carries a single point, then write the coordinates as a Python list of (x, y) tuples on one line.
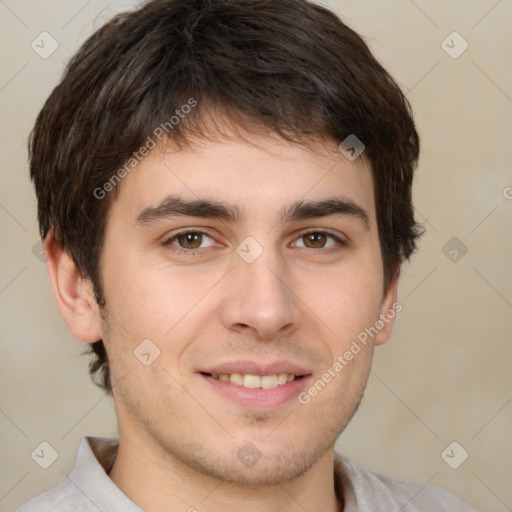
[(268, 471), (244, 465)]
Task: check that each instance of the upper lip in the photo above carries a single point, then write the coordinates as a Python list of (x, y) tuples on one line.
[(256, 368)]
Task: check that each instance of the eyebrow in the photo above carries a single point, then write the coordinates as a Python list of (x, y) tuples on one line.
[(175, 206)]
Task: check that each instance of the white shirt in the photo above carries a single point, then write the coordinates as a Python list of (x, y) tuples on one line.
[(89, 489)]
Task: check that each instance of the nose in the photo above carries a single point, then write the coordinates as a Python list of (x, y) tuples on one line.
[(261, 301)]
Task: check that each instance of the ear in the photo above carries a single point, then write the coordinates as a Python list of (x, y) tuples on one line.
[(389, 309), (74, 293)]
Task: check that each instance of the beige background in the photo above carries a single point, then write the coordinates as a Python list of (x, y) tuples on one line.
[(445, 374)]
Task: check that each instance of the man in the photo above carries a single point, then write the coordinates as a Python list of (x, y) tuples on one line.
[(224, 195)]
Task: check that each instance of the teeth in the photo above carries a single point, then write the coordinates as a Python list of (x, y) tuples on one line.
[(236, 378), (269, 381), (252, 381), (282, 378), (255, 381)]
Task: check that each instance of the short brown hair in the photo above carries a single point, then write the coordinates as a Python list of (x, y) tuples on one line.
[(289, 67)]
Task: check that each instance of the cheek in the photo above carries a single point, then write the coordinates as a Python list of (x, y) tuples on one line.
[(138, 294), (158, 303), (347, 300)]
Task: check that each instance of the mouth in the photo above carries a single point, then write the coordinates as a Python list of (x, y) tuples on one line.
[(251, 381), (256, 386)]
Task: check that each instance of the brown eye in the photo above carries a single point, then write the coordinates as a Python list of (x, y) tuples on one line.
[(315, 240), (190, 240), (320, 240)]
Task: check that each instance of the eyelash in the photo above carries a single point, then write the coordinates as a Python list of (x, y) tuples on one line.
[(194, 252)]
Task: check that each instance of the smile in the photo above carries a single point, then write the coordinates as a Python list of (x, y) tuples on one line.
[(255, 381), (254, 389)]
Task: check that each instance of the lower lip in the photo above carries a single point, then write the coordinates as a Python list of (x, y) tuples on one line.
[(258, 398)]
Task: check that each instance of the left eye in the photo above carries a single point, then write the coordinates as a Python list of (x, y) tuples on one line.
[(190, 240), (317, 240)]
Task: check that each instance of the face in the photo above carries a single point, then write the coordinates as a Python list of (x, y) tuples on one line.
[(235, 276)]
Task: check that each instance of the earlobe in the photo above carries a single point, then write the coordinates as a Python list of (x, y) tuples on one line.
[(389, 309), (73, 293)]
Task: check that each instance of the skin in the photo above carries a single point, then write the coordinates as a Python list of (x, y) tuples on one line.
[(296, 302)]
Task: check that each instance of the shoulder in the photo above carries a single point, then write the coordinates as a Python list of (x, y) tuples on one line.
[(60, 498), (367, 490)]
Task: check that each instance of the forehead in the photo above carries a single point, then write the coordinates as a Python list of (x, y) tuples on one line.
[(259, 178)]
